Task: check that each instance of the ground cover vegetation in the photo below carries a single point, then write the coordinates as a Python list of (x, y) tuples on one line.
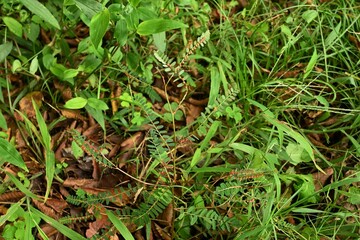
[(179, 119)]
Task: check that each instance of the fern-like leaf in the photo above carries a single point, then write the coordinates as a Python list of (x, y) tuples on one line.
[(155, 204)]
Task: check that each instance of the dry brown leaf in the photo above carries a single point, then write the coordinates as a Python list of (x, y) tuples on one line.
[(165, 96), (96, 174), (115, 94), (196, 102), (11, 196), (72, 114), (160, 233), (192, 112), (288, 74), (48, 230), (186, 147), (166, 217), (138, 235), (3, 210), (57, 204), (92, 131), (315, 139), (115, 195), (20, 142), (321, 178), (330, 121), (132, 142), (354, 40), (26, 105), (95, 226), (80, 183), (45, 209)]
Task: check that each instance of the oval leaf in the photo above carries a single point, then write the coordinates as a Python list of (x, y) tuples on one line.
[(97, 104), (13, 25), (76, 103), (5, 50), (98, 26), (8, 153), (158, 25), (41, 11)]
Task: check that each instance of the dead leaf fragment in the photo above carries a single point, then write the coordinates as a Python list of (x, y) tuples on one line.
[(26, 105), (321, 178)]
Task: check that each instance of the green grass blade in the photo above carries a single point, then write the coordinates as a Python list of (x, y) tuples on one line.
[(158, 25), (21, 187), (8, 153), (214, 85), (354, 142), (49, 154), (211, 133), (60, 227), (311, 64), (124, 231), (14, 207), (41, 11)]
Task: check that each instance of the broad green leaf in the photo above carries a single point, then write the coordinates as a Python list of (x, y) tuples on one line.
[(16, 65), (210, 134), (71, 234), (309, 15), (132, 60), (158, 25), (5, 50), (98, 26), (121, 32), (89, 7), (120, 226), (10, 212), (97, 104), (353, 195), (32, 31), (306, 188), (244, 148), (77, 150), (41, 11), (286, 30), (311, 64), (8, 153), (196, 158), (21, 186), (3, 123), (13, 25), (331, 38), (34, 65), (70, 73), (134, 3), (160, 41), (98, 115), (297, 153), (76, 103), (214, 85)]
